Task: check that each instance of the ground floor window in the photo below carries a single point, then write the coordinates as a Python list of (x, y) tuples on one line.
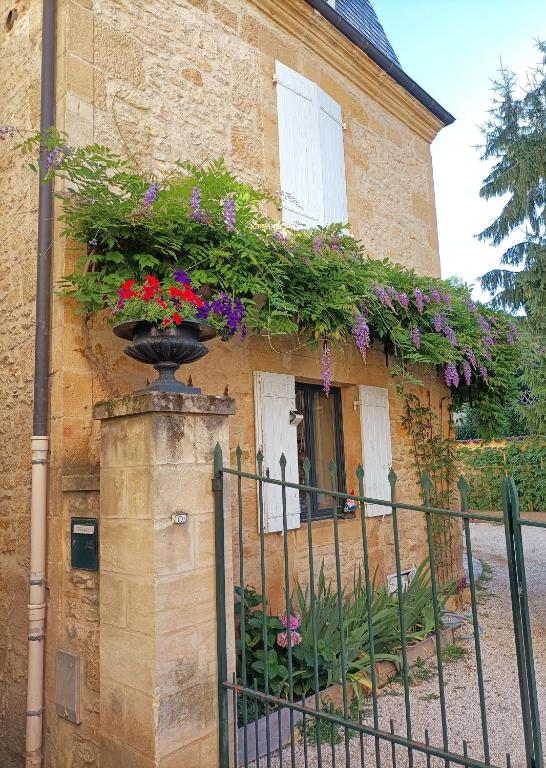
[(320, 438)]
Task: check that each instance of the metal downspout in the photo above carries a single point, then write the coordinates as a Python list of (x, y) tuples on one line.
[(40, 438)]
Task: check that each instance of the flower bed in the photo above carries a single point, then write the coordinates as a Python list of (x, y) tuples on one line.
[(307, 639), (279, 726)]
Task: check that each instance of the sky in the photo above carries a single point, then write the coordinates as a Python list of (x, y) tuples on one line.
[(453, 49)]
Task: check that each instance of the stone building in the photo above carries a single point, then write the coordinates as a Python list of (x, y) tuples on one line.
[(300, 96)]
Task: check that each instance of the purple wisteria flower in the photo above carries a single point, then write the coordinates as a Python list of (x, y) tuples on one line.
[(467, 372), (361, 334), (512, 335), (318, 243), (471, 305), (416, 337), (383, 296), (228, 205), (335, 244), (483, 372), (326, 366), (451, 375), (281, 237), (450, 334), (150, 196), (435, 296), (56, 156), (441, 324), (182, 277), (470, 356), (93, 242), (446, 298), (393, 293), (197, 213), (489, 341), (484, 325), (487, 354), (419, 300), (195, 201), (403, 300)]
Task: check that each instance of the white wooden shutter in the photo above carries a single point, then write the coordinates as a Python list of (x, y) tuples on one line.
[(333, 159), (376, 446), (274, 398), (299, 149), (312, 163)]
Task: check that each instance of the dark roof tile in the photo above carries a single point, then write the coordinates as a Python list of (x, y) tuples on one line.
[(361, 15)]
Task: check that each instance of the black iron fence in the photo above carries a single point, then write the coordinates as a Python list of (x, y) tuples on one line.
[(309, 672)]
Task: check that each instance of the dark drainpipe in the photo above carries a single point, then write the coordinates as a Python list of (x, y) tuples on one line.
[(40, 437)]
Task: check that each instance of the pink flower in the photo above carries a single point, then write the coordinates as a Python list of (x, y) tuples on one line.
[(282, 639), (294, 621)]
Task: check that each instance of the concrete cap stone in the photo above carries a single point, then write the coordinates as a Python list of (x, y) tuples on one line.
[(163, 402)]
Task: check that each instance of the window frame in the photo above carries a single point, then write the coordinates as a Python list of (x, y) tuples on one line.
[(335, 393)]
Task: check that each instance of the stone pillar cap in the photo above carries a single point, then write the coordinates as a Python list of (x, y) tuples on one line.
[(163, 402)]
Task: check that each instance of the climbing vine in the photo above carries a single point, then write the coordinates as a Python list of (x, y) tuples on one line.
[(435, 454)]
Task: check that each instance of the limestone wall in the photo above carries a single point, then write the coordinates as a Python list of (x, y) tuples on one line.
[(161, 82)]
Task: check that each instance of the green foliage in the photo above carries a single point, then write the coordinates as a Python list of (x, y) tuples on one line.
[(453, 653), (328, 733), (315, 283), (484, 467), (515, 140), (418, 621), (467, 426)]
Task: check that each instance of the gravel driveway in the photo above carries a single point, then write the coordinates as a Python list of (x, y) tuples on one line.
[(499, 667)]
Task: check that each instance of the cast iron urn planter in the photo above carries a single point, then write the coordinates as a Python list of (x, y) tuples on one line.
[(166, 349)]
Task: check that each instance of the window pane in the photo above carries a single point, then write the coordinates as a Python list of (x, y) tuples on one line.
[(324, 442)]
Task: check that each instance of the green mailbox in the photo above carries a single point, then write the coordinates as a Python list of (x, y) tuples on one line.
[(84, 543)]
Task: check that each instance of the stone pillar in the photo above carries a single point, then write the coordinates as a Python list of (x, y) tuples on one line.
[(158, 656)]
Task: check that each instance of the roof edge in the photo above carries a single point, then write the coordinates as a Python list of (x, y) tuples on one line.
[(382, 61)]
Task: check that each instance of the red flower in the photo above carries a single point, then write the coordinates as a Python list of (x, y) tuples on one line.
[(167, 321), (126, 290), (152, 281), (177, 319), (189, 295), (161, 302), (148, 293)]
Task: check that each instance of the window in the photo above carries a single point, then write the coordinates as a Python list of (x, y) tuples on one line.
[(312, 163), (320, 438)]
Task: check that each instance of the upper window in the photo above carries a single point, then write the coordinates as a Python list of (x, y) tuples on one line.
[(312, 164), (320, 439)]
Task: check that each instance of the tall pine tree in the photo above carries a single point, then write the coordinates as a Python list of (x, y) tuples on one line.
[(515, 139)]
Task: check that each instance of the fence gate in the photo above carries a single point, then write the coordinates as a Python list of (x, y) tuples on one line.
[(315, 643)]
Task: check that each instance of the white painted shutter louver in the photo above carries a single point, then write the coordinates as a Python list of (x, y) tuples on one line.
[(311, 152), (333, 159), (376, 446), (274, 398), (299, 149)]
